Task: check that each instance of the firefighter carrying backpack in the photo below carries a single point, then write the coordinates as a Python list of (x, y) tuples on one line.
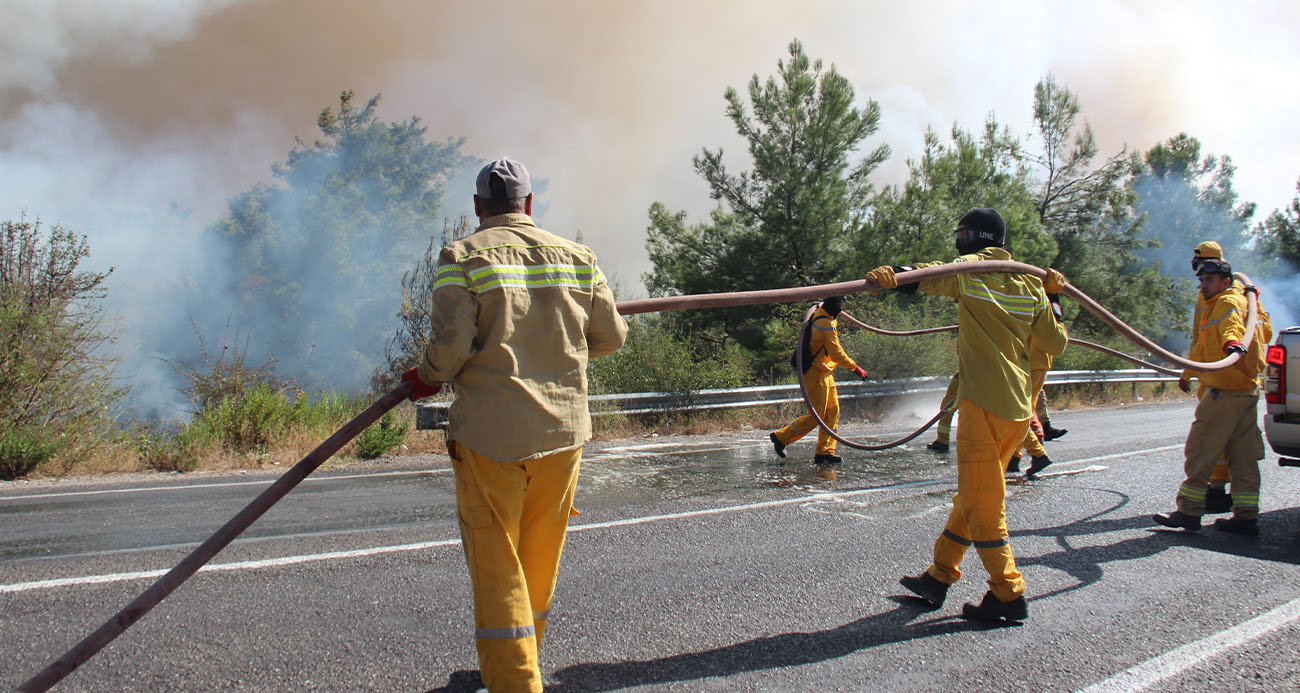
[(805, 345)]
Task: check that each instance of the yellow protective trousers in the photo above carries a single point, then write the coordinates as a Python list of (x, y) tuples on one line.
[(825, 398), (1032, 444), (978, 517), (943, 430), (513, 519), (1226, 423)]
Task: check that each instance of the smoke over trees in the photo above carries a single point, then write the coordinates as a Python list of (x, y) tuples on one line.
[(1121, 227), (318, 258), (784, 220)]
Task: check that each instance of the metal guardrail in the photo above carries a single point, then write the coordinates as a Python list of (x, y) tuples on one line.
[(433, 415)]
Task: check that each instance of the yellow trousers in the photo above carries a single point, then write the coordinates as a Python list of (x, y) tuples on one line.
[(1226, 424), (943, 430), (1032, 444), (825, 398), (513, 520), (978, 517)]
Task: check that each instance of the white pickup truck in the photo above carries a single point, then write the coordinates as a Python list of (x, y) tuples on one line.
[(1282, 394)]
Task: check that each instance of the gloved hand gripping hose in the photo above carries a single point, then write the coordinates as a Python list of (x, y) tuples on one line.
[(1021, 268)]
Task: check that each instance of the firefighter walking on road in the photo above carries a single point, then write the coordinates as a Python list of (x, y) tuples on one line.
[(822, 355), (1217, 499), (517, 313), (998, 314), (1226, 419)]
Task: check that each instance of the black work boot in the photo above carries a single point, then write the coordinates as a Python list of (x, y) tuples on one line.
[(1237, 525), (937, 446), (777, 445), (1013, 466), (1178, 520), (1050, 433), (993, 609), (820, 459), (926, 587), (1036, 465), (1217, 500)]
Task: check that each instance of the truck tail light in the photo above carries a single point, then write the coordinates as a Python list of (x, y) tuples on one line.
[(1275, 375)]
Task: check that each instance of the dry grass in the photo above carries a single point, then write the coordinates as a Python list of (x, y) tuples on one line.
[(143, 452)]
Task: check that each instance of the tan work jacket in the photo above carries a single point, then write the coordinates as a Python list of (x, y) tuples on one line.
[(998, 314), (1258, 347), (517, 313), (1224, 320)]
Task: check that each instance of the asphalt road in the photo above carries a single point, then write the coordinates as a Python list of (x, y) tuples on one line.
[(697, 564)]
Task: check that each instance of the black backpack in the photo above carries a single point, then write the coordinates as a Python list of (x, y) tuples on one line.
[(805, 345)]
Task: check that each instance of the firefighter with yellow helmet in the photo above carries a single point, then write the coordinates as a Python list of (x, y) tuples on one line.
[(998, 315), (1227, 412), (1217, 499)]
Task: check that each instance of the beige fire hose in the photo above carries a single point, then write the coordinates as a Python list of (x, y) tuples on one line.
[(132, 612), (913, 276), (844, 315)]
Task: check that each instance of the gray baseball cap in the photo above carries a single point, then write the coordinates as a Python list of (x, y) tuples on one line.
[(511, 172)]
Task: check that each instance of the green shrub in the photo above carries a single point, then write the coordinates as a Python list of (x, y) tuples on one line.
[(22, 450), (244, 423), (381, 437), (655, 360)]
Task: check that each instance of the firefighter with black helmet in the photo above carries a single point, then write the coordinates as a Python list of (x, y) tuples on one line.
[(998, 314), (824, 355)]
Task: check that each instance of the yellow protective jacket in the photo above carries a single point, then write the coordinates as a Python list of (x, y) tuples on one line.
[(517, 312), (1224, 320), (998, 315), (825, 344), (1258, 348)]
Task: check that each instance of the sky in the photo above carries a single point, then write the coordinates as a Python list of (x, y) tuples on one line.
[(111, 107)]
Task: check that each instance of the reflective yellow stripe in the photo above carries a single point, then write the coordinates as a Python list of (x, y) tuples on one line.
[(1191, 492), (1020, 306), (534, 277), (449, 275)]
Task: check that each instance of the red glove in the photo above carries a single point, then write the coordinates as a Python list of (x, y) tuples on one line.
[(862, 372), (1234, 347), (1037, 427), (418, 389)]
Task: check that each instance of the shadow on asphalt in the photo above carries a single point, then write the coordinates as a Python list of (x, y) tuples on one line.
[(1279, 541), (773, 652)]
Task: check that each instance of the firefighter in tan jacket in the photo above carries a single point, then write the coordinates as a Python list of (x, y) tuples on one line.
[(517, 313), (1227, 414), (998, 315), (1216, 496)]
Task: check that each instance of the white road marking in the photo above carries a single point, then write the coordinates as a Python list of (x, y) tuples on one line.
[(186, 487), (361, 553), (1174, 662), (603, 455), (215, 567), (647, 446)]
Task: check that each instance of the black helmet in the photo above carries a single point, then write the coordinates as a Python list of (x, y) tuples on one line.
[(988, 227), (833, 305)]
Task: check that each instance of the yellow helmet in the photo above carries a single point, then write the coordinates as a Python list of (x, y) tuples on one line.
[(1207, 250)]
